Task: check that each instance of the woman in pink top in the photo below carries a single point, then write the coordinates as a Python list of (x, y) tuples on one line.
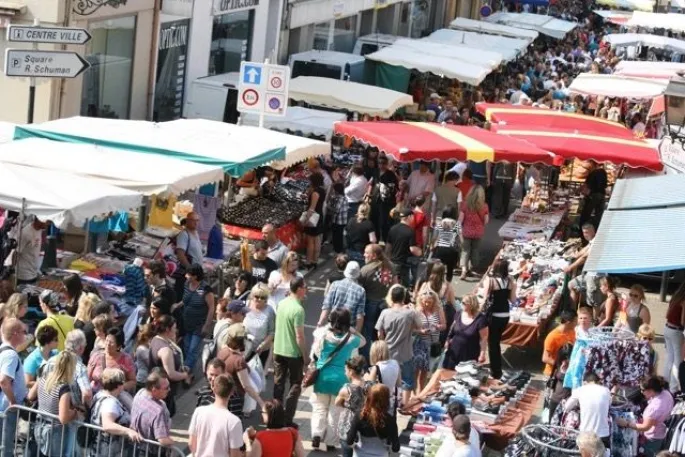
[(473, 217), (659, 407)]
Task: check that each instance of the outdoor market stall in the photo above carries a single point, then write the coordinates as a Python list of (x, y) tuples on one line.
[(547, 25), (650, 70), (622, 40), (617, 86), (510, 48), (347, 95), (463, 53), (299, 121), (617, 17), (472, 25), (630, 5), (649, 20)]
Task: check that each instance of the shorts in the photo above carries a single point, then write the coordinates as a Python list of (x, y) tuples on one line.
[(407, 374)]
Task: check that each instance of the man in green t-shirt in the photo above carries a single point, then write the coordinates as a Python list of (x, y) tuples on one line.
[(290, 353)]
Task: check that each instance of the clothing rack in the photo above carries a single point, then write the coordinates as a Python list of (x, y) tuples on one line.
[(536, 433)]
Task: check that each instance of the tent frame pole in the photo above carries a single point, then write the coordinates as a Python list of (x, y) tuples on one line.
[(22, 214)]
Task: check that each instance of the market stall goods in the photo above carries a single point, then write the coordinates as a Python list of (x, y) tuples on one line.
[(258, 211)]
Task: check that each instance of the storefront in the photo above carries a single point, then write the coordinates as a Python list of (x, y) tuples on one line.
[(118, 84)]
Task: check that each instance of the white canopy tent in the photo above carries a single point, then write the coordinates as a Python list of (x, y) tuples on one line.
[(617, 40), (642, 69), (347, 95), (617, 86), (145, 173), (6, 132), (631, 5), (481, 57), (669, 21), (63, 198), (510, 48), (615, 16), (438, 65), (472, 25), (547, 25), (298, 119)]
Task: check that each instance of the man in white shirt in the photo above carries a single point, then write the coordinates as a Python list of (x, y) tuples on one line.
[(594, 400), (213, 429), (28, 251), (421, 182), (355, 190)]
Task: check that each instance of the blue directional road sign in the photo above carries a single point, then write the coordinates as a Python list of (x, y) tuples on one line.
[(251, 74)]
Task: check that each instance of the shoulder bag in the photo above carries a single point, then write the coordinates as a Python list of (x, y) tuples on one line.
[(312, 373)]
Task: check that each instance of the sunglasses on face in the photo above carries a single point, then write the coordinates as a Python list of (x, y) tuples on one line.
[(260, 297)]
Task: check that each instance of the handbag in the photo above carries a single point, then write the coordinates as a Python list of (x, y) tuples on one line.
[(312, 373), (435, 350), (312, 221)]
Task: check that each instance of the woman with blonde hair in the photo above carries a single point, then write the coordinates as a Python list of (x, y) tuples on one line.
[(468, 336), (636, 312), (260, 322), (279, 280), (17, 305), (360, 232), (54, 394), (86, 302), (427, 347), (384, 370), (473, 217)]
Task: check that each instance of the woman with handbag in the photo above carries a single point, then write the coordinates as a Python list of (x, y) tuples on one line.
[(312, 218), (273, 442), (473, 217), (334, 345), (427, 347), (499, 290)]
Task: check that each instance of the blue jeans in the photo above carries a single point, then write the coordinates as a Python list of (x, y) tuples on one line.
[(191, 347), (356, 256), (9, 429), (347, 450), (407, 374), (371, 312)]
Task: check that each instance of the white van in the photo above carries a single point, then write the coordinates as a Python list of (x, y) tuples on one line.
[(368, 44), (327, 64), (214, 98)]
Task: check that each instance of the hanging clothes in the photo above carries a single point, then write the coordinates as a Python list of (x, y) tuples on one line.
[(205, 207), (623, 440), (162, 211), (576, 365)]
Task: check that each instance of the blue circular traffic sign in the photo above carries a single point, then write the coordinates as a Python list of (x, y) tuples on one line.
[(274, 103), (485, 10)]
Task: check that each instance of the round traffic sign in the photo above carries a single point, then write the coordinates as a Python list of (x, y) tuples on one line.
[(250, 97), (485, 10), (276, 82), (274, 103)]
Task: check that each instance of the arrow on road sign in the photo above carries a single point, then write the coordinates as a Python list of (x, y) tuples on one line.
[(55, 35), (252, 75), (44, 64)]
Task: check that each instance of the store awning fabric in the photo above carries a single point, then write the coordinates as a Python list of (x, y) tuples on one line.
[(615, 16), (298, 119), (6, 132), (481, 57), (408, 142), (510, 48), (617, 86), (472, 25), (570, 145), (63, 198), (645, 39), (426, 63), (547, 25), (144, 173), (650, 192), (669, 21), (525, 117), (631, 5), (347, 95), (235, 149)]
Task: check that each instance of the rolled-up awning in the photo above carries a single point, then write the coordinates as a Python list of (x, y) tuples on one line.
[(525, 117), (410, 141), (571, 145)]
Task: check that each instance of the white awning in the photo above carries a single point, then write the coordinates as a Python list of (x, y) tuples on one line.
[(670, 21), (481, 57), (441, 66), (615, 16), (145, 173), (347, 95), (63, 198), (631, 5), (298, 119), (645, 39), (6, 132), (642, 69), (510, 48), (471, 25), (617, 86), (547, 25)]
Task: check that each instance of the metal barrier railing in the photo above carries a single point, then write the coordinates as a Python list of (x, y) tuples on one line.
[(28, 432)]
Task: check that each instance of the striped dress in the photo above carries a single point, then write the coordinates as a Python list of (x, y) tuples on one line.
[(422, 343)]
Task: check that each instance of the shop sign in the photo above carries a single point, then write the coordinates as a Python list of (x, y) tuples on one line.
[(171, 70), (672, 154), (231, 6)]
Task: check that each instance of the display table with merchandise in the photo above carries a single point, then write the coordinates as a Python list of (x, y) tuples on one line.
[(525, 224)]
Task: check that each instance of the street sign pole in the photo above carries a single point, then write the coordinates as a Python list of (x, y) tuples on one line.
[(261, 112), (32, 83)]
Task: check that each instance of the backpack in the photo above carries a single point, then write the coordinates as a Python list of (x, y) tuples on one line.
[(211, 347), (85, 436)]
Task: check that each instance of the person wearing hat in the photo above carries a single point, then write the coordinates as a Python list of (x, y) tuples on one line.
[(346, 293), (236, 367), (49, 304), (28, 252), (461, 430), (401, 246)]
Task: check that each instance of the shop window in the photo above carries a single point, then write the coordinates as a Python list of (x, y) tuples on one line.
[(231, 41), (107, 84), (344, 34)]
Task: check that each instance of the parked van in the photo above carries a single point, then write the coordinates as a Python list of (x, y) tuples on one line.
[(368, 44), (327, 64), (214, 98)]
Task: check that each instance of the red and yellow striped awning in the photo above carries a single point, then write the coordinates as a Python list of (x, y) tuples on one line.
[(526, 117), (411, 141)]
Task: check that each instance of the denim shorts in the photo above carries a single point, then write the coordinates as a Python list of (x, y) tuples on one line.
[(407, 374)]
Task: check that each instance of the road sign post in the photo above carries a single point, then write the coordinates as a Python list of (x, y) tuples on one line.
[(263, 89), (33, 63)]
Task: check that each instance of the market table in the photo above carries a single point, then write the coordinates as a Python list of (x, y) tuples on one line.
[(524, 224)]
